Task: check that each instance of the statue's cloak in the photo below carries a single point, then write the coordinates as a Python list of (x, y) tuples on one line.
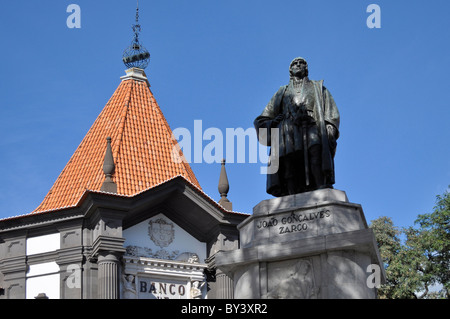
[(290, 135)]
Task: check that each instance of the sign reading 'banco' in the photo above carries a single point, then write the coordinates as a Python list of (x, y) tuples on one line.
[(295, 222), (159, 289)]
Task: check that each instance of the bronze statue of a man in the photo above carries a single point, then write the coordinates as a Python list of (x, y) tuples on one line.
[(307, 119)]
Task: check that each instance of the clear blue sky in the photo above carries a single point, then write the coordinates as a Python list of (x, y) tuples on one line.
[(221, 62)]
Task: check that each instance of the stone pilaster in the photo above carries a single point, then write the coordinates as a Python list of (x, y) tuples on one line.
[(108, 276), (13, 265), (224, 286), (107, 251)]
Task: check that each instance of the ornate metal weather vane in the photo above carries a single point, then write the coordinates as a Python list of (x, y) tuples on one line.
[(136, 55)]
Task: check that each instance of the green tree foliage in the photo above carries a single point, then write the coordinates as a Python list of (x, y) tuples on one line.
[(422, 261)]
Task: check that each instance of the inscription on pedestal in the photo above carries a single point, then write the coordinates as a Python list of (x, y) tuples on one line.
[(294, 222)]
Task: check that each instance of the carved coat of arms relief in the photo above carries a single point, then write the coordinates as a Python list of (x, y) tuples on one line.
[(161, 232)]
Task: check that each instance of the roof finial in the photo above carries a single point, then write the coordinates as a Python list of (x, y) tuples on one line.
[(224, 187), (137, 11), (108, 168), (136, 56)]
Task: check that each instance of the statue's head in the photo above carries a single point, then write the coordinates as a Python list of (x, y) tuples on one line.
[(298, 68)]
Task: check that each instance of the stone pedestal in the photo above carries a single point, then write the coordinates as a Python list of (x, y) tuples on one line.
[(309, 245)]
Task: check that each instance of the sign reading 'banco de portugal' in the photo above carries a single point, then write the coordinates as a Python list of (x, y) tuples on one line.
[(162, 289)]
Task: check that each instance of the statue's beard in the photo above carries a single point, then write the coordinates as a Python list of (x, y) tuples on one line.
[(300, 75)]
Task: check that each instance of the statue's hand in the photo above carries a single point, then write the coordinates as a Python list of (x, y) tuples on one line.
[(331, 130), (277, 119)]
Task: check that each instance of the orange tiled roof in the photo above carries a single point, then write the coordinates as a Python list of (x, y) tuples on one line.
[(142, 145)]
